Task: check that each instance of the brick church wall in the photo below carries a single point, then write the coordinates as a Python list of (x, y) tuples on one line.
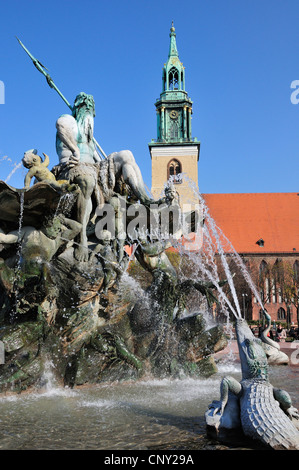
[(273, 301)]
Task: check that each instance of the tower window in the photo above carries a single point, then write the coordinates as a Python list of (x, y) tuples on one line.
[(174, 171), (173, 79), (174, 131), (164, 80)]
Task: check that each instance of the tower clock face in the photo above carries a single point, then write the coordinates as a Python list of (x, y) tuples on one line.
[(173, 114)]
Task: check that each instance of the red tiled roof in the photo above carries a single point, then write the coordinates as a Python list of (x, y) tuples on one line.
[(246, 218)]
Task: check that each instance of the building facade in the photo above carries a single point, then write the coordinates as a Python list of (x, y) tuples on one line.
[(174, 153), (262, 228)]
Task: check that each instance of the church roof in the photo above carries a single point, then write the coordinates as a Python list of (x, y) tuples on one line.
[(258, 222)]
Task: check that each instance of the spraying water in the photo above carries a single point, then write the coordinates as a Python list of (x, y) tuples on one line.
[(232, 253), (65, 204), (19, 252), (215, 243), (17, 167), (21, 214), (211, 225)]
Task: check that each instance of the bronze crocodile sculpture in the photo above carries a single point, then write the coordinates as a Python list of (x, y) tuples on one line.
[(263, 412)]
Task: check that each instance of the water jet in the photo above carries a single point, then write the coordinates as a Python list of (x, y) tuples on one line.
[(89, 314)]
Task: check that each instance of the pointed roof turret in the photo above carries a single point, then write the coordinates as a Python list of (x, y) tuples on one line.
[(173, 70), (174, 107), (173, 51)]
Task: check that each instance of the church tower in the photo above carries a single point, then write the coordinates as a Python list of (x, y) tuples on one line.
[(174, 153)]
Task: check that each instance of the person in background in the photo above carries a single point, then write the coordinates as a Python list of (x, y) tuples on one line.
[(281, 333)]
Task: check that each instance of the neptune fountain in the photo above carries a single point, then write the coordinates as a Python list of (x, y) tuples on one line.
[(66, 245), (72, 246)]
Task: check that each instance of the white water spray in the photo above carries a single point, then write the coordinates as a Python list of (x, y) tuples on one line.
[(19, 165), (65, 204), (214, 243), (215, 233), (19, 252)]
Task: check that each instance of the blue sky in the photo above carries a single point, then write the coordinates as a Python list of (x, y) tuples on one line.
[(240, 57)]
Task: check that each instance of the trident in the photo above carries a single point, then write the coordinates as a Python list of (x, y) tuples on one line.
[(41, 68)]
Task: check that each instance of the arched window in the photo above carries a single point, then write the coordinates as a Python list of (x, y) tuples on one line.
[(264, 282), (296, 272), (164, 79), (281, 314), (174, 130), (263, 268), (173, 79), (174, 171), (261, 315), (277, 281), (278, 270)]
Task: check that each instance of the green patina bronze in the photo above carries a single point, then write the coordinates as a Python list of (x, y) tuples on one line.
[(174, 107), (41, 68), (253, 406)]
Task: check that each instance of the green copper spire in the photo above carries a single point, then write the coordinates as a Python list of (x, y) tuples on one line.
[(173, 52), (174, 71), (174, 107)]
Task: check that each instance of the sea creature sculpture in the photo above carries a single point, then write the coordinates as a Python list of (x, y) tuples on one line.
[(263, 412), (40, 245), (272, 348)]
